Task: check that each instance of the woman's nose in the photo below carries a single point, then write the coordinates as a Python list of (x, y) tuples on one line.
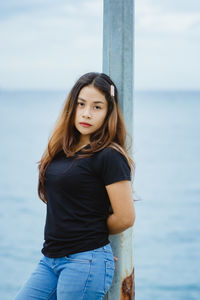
[(87, 112)]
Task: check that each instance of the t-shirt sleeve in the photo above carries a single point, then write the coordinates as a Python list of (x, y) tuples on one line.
[(113, 166)]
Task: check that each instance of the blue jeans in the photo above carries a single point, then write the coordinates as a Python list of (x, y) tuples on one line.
[(85, 275)]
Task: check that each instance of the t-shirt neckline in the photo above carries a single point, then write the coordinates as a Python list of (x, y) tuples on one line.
[(86, 146)]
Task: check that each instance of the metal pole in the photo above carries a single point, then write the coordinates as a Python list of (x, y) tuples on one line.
[(118, 58)]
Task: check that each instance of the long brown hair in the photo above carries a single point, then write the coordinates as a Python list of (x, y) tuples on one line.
[(65, 136)]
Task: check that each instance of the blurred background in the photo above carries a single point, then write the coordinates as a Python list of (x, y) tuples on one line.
[(45, 47)]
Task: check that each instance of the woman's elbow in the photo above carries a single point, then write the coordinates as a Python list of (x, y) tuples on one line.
[(131, 221)]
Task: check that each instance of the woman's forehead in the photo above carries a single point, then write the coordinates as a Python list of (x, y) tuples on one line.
[(91, 94)]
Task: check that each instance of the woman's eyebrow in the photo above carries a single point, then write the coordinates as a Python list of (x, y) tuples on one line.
[(93, 101)]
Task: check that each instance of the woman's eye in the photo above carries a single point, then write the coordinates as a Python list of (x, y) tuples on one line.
[(81, 104)]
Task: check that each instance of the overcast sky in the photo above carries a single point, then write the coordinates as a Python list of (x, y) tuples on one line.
[(46, 44)]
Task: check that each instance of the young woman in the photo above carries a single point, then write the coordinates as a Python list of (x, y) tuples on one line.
[(85, 180)]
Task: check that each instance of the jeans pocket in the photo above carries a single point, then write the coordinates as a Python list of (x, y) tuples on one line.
[(109, 274), (81, 257)]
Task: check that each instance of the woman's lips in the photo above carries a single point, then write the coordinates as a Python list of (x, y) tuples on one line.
[(85, 124)]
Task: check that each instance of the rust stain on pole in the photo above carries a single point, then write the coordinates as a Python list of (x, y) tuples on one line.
[(128, 287)]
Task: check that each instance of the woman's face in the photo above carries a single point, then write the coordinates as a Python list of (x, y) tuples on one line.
[(91, 108)]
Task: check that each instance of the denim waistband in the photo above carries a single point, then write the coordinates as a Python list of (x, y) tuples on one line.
[(105, 248)]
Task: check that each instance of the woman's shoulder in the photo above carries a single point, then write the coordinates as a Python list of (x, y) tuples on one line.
[(110, 152), (112, 165), (113, 148)]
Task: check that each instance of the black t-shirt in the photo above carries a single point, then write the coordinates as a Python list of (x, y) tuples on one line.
[(77, 201)]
